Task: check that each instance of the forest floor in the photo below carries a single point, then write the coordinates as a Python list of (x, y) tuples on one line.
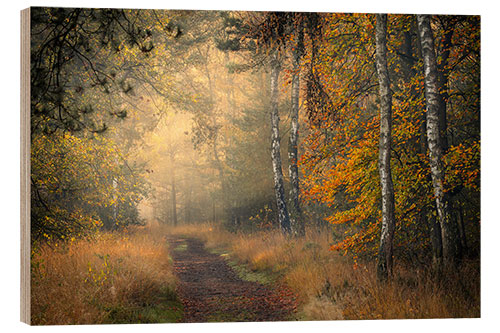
[(211, 290), (203, 273), (265, 276)]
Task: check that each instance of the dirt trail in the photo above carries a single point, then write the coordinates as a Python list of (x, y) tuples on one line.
[(211, 291)]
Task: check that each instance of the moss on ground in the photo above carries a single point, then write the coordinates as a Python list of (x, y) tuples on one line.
[(247, 274), (181, 248)]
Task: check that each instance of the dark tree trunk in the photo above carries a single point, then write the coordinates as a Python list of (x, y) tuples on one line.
[(187, 207), (385, 260), (223, 184), (449, 230), (174, 191), (279, 189), (297, 222), (174, 203), (214, 212), (408, 60), (461, 228), (436, 242)]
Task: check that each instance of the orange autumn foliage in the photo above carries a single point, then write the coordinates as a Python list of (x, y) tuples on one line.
[(340, 153)]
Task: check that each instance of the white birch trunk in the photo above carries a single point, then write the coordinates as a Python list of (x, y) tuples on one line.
[(297, 222), (279, 189), (385, 260), (449, 230)]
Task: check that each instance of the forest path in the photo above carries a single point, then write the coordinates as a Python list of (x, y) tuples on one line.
[(211, 291)]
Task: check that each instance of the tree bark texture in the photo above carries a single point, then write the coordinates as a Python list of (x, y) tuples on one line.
[(449, 230), (297, 222), (279, 189), (385, 260), (430, 220)]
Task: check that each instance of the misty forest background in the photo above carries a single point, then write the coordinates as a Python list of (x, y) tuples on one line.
[(321, 140)]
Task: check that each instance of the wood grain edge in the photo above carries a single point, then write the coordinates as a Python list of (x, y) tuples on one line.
[(25, 167)]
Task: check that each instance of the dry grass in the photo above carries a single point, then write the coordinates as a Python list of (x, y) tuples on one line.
[(104, 280), (330, 286)]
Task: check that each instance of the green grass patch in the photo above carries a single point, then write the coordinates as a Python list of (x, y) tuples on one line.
[(243, 271), (247, 274), (220, 251), (165, 308), (181, 248)]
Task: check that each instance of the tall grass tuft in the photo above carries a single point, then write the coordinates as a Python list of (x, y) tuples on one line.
[(107, 279)]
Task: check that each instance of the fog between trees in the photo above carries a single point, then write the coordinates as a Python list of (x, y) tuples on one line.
[(258, 121)]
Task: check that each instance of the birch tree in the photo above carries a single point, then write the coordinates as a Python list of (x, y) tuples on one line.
[(385, 262), (449, 230), (295, 210), (279, 188)]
